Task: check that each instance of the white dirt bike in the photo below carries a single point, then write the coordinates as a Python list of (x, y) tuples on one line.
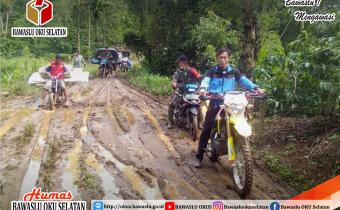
[(230, 136), (55, 93)]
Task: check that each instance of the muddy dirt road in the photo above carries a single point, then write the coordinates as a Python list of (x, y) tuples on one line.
[(111, 143)]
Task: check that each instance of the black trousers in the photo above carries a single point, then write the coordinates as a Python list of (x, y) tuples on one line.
[(214, 107)]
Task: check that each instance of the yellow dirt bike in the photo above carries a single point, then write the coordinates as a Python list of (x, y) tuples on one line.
[(230, 136)]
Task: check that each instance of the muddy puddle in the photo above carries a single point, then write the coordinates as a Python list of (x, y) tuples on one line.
[(71, 171), (130, 172), (111, 191)]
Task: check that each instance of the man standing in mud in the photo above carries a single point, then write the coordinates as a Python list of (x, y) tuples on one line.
[(57, 67), (78, 60), (183, 75), (219, 80)]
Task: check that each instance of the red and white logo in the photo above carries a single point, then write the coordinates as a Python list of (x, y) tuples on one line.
[(169, 206), (39, 12)]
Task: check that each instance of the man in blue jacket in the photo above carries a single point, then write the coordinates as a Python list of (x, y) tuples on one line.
[(222, 78)]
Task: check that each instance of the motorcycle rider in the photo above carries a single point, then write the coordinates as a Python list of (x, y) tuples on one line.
[(183, 75), (220, 79), (57, 66)]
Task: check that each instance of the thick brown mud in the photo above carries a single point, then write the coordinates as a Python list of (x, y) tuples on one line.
[(112, 143)]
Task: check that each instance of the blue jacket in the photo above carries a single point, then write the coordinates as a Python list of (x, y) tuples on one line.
[(219, 80)]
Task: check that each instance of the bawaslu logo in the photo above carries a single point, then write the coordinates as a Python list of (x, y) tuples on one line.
[(42, 16), (39, 13)]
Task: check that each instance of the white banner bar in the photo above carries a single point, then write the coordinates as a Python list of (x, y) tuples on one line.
[(214, 204), (39, 32)]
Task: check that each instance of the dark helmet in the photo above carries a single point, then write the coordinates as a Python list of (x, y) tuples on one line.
[(182, 58), (58, 56)]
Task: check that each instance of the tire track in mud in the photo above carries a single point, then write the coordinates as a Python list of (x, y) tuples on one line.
[(32, 172), (4, 114), (159, 134), (39, 152), (16, 148), (148, 189), (167, 141), (13, 119), (101, 171), (111, 191), (115, 115), (71, 173)]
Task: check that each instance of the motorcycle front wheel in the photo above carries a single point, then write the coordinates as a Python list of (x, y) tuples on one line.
[(101, 73), (51, 101), (242, 171), (193, 131)]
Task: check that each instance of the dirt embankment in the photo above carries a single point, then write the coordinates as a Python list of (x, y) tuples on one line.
[(303, 151)]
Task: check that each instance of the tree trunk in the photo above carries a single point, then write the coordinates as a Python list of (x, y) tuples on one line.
[(6, 26), (249, 46), (1, 25), (103, 37), (89, 27), (78, 25), (96, 31)]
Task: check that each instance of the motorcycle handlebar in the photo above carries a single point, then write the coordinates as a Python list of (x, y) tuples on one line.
[(254, 94), (211, 97), (220, 97), (49, 74)]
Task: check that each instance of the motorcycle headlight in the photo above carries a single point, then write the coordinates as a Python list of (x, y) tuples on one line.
[(194, 101), (237, 110)]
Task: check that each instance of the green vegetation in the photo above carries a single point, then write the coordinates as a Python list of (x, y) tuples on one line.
[(16, 71), (27, 134), (50, 164), (92, 69), (296, 62), (144, 80), (288, 174), (87, 179), (304, 79)]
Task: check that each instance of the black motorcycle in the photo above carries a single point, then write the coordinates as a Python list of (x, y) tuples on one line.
[(187, 111)]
